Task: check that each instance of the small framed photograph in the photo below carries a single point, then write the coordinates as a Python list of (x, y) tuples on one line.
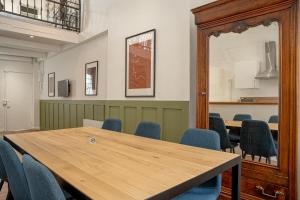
[(140, 65), (51, 84), (91, 78)]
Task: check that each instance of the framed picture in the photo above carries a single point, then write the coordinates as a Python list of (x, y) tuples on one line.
[(140, 65), (51, 84), (91, 78)]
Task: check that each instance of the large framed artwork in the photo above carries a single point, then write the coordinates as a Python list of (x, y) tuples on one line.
[(140, 65), (91, 78), (51, 84)]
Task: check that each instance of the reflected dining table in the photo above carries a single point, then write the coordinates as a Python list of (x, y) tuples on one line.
[(238, 124), (93, 163)]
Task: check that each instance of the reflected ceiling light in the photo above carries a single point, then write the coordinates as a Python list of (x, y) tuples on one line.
[(31, 36)]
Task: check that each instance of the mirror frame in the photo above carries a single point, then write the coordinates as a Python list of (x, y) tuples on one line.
[(237, 16), (85, 73)]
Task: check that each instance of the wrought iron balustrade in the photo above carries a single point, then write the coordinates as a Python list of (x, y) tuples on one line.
[(64, 14)]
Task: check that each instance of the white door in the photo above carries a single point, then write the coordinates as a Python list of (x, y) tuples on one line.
[(18, 101)]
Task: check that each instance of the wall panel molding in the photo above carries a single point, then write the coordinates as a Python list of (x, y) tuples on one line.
[(171, 115)]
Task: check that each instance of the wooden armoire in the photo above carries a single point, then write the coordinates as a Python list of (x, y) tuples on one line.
[(259, 180)]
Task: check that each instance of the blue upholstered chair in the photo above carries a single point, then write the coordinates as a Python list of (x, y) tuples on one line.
[(257, 140), (41, 181), (234, 132), (3, 176), (15, 172), (149, 130), (217, 124), (204, 139), (112, 125), (211, 114), (274, 119)]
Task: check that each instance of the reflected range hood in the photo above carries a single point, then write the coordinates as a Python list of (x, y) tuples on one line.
[(271, 71)]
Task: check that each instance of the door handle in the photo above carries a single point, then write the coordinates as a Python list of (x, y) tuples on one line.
[(203, 93), (276, 193)]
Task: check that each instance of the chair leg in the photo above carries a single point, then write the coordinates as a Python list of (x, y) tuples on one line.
[(259, 159), (1, 184), (252, 156), (243, 154), (269, 160), (233, 150)]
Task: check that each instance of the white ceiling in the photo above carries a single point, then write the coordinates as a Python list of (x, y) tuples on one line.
[(27, 39)]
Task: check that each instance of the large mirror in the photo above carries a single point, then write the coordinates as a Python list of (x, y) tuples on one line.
[(91, 79), (244, 86)]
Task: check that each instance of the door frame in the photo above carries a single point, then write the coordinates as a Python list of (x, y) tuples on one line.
[(5, 72), (225, 16)]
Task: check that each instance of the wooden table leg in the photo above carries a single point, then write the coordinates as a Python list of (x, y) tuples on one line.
[(236, 182)]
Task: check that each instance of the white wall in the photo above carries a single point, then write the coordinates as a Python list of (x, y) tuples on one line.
[(70, 64), (171, 20), (126, 18), (23, 65)]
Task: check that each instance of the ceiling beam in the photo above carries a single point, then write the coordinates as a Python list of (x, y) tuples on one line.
[(28, 45), (22, 53), (15, 58)]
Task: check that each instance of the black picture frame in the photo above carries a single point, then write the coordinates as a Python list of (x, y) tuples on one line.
[(153, 77), (96, 79), (51, 93)]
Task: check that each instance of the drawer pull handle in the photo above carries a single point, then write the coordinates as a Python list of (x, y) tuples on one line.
[(275, 196)]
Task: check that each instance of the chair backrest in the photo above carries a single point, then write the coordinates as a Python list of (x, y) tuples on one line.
[(217, 124), (2, 170), (204, 139), (149, 130), (256, 139), (274, 119), (241, 117), (211, 114), (15, 172), (41, 181), (112, 125), (238, 117)]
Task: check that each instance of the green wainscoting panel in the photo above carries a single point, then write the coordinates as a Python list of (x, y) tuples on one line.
[(171, 115), (59, 114)]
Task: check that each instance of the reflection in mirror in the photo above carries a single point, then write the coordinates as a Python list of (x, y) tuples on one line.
[(244, 92), (91, 78)]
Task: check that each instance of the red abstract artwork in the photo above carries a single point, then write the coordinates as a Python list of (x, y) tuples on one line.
[(140, 65)]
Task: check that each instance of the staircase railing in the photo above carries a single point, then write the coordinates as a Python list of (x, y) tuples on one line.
[(64, 14)]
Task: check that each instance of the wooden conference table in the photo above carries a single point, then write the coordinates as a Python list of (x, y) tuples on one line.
[(100, 164), (231, 123)]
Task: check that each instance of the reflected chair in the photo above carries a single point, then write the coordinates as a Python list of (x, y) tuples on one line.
[(217, 124), (274, 119), (209, 140), (214, 114), (41, 181), (234, 132), (17, 182), (257, 140), (149, 130), (3, 176), (112, 125)]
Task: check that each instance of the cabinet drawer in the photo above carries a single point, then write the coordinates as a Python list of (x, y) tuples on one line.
[(253, 189)]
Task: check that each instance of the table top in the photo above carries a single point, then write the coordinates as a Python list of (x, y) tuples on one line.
[(231, 123), (122, 166)]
